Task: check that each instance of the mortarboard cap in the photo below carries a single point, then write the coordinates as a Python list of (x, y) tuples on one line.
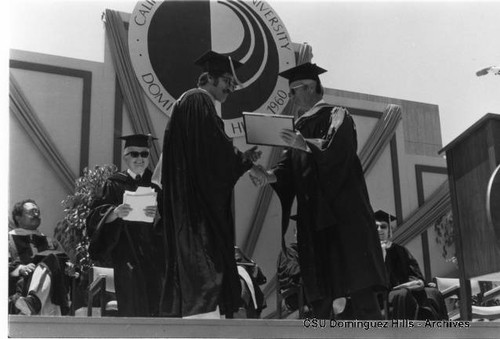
[(138, 140), (302, 72), (384, 216), (212, 61)]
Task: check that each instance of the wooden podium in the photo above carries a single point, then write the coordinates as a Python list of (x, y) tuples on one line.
[(472, 159)]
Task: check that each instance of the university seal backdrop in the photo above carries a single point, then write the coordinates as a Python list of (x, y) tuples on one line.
[(165, 38)]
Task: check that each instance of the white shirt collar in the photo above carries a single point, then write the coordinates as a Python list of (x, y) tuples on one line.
[(132, 174)]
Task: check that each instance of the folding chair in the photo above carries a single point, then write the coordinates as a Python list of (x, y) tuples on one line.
[(450, 289), (102, 281)]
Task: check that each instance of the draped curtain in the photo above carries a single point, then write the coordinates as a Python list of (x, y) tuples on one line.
[(380, 137), (24, 113), (131, 89), (438, 204)]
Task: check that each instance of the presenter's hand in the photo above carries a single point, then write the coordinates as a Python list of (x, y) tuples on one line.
[(121, 211), (25, 270), (294, 139), (252, 154), (150, 211)]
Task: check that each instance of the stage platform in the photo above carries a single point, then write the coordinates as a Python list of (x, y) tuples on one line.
[(62, 327)]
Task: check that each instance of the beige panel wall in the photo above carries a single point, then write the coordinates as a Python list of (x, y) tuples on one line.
[(422, 129), (31, 177), (57, 102)]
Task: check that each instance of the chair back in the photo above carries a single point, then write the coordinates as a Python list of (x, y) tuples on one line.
[(108, 274)]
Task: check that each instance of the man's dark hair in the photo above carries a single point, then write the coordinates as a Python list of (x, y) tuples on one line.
[(319, 87), (203, 78), (18, 208)]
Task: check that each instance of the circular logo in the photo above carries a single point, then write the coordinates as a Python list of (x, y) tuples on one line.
[(165, 38)]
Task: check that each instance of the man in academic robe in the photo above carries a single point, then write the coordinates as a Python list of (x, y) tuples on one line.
[(200, 167), (37, 264), (132, 247), (409, 297), (338, 247)]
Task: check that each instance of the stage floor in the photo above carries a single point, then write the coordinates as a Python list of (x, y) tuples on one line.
[(62, 327)]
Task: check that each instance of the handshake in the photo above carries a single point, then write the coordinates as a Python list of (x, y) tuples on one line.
[(260, 177)]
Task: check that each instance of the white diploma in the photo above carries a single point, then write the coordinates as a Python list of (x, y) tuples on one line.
[(138, 201), (264, 128)]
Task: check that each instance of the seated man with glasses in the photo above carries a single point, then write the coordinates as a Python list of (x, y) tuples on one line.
[(409, 298), (131, 247), (37, 284)]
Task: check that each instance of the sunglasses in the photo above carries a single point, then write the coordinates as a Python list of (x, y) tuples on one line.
[(382, 226), (294, 88), (229, 81), (135, 154)]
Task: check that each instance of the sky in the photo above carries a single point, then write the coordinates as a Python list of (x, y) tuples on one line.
[(424, 51)]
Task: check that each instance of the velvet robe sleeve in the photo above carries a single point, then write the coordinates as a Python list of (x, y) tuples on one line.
[(222, 163), (335, 154), (209, 155), (104, 236), (414, 272), (284, 188)]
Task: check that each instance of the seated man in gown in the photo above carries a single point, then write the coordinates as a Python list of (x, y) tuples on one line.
[(409, 298), (37, 263)]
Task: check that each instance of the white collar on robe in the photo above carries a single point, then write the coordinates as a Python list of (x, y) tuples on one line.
[(132, 174), (385, 245), (22, 231), (317, 106)]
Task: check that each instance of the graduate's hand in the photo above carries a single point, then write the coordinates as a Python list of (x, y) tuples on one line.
[(150, 211), (294, 139), (121, 211), (260, 177), (252, 154)]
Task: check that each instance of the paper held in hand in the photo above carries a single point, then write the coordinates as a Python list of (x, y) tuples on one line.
[(139, 200), (264, 128)]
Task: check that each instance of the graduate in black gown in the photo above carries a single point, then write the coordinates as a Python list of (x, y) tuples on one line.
[(133, 247), (200, 167), (338, 247), (409, 297)]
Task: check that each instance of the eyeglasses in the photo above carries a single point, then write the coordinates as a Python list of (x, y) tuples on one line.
[(382, 226), (34, 212), (229, 81), (135, 154), (294, 88)]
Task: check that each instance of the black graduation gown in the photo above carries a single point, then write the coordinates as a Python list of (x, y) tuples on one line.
[(426, 303), (134, 249), (199, 170), (401, 266), (38, 249), (338, 245)]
